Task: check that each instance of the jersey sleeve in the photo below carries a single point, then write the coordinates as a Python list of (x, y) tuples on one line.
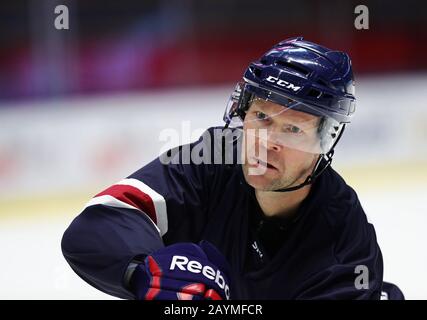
[(157, 205)]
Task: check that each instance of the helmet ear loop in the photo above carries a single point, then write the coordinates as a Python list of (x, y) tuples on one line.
[(240, 112), (244, 101), (242, 104), (326, 157)]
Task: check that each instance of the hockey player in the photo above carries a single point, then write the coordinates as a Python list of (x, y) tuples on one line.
[(271, 220)]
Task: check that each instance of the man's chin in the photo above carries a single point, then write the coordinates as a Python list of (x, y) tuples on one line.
[(259, 182)]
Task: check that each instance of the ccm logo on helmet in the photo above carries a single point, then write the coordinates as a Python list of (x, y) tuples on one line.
[(196, 267), (283, 83)]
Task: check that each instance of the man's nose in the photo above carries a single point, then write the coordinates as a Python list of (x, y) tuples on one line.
[(270, 142)]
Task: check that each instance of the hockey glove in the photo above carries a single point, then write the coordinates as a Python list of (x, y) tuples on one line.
[(183, 271)]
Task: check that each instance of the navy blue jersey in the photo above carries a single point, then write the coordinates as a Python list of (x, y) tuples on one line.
[(313, 254)]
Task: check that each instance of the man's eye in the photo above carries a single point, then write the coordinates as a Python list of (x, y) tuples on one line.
[(261, 115), (293, 129)]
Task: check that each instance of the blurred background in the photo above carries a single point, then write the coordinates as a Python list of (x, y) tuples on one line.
[(83, 107)]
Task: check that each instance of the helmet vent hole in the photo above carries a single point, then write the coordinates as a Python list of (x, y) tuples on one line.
[(292, 67), (323, 83), (257, 72), (314, 93)]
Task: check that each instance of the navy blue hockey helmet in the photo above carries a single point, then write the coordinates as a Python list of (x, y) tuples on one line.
[(303, 76)]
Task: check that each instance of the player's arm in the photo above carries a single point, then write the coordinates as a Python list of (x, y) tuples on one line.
[(102, 241), (157, 205)]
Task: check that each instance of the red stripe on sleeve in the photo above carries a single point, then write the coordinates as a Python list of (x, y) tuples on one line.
[(133, 197)]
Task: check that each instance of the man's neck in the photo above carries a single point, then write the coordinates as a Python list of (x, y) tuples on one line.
[(281, 203)]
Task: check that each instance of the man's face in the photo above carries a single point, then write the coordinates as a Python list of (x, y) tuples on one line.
[(277, 152)]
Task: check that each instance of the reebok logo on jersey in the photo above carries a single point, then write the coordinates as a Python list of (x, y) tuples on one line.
[(184, 264), (257, 249), (283, 83)]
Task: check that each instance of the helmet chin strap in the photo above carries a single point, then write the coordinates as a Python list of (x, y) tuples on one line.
[(318, 169)]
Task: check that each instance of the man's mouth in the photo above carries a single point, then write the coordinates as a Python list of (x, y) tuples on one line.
[(259, 162)]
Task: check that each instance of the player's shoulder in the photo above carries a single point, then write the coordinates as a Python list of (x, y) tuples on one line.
[(218, 135), (350, 231), (193, 163), (342, 204)]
